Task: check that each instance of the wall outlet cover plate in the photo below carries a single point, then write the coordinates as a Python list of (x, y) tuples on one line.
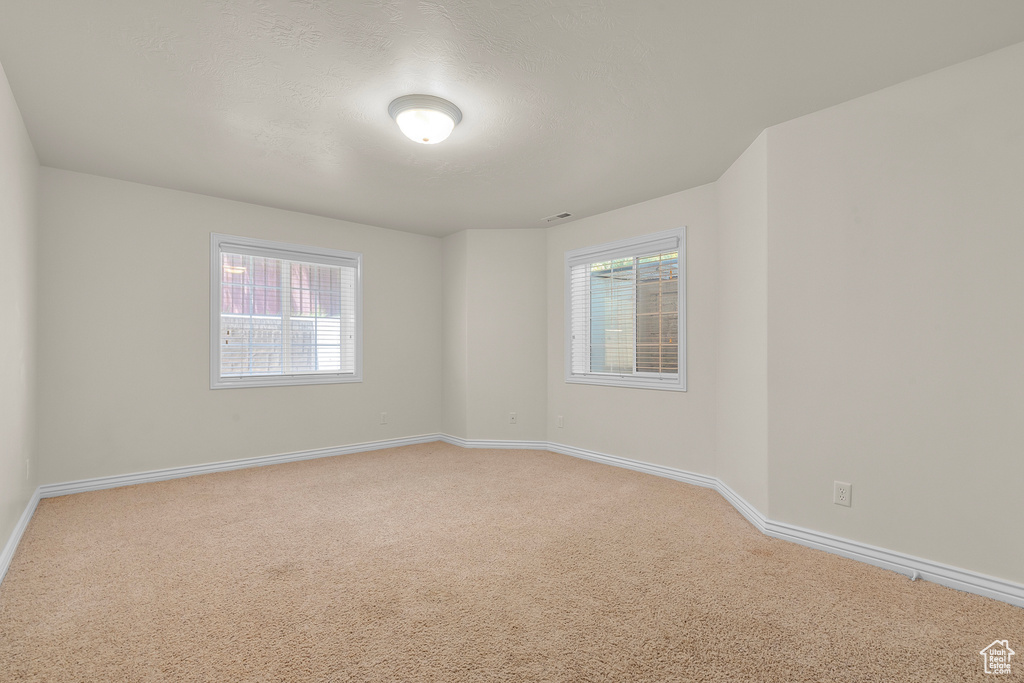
[(842, 493)]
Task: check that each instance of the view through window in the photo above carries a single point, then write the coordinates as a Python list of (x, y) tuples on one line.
[(285, 315), (624, 312)]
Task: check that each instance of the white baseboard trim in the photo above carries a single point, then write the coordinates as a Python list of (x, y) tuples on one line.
[(83, 485), (494, 443), (751, 513), (637, 465), (19, 529), (914, 567)]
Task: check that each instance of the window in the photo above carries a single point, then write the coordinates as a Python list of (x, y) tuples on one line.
[(625, 312), (283, 314)]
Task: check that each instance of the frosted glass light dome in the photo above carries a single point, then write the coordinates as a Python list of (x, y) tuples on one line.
[(424, 118)]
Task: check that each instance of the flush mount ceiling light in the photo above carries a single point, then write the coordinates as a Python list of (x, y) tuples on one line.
[(424, 118)]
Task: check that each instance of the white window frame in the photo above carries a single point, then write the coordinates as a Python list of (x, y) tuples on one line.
[(634, 246), (293, 252)]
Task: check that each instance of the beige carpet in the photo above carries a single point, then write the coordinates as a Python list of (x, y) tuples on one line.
[(435, 563)]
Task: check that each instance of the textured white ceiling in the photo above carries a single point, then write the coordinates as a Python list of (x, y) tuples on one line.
[(579, 106)]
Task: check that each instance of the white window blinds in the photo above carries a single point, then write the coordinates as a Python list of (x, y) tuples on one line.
[(285, 314), (625, 309)]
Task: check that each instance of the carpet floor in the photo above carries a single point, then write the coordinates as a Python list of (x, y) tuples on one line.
[(436, 563)]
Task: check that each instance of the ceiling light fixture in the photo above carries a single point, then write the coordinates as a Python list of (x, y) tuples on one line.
[(424, 118)]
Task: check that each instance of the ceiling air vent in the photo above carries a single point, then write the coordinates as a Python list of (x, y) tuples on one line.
[(557, 217)]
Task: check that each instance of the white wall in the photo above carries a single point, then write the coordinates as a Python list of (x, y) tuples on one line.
[(507, 312), (742, 408), (896, 328), (124, 346), (495, 358), (19, 171), (455, 361), (671, 428)]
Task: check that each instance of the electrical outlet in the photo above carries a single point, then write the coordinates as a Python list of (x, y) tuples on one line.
[(28, 469), (383, 418), (842, 493), (561, 422), (513, 419)]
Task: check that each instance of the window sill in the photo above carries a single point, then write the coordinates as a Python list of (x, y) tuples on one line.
[(629, 382), (282, 381)]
